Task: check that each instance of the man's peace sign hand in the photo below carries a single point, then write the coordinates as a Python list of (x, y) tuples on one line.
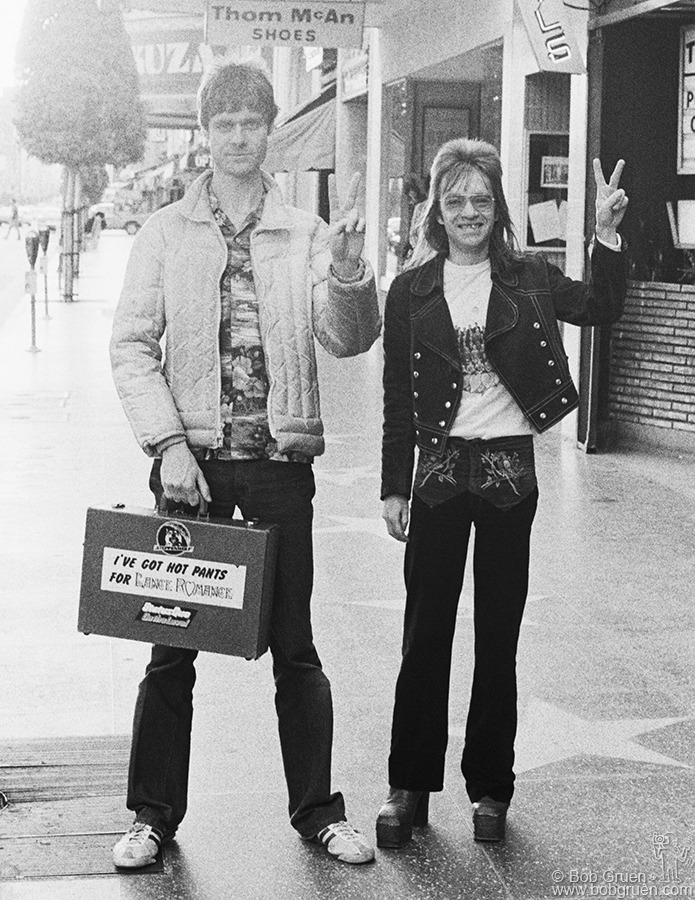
[(611, 202), (346, 231)]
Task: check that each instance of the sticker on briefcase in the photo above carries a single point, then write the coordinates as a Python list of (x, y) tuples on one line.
[(163, 614), (149, 575), (173, 538)]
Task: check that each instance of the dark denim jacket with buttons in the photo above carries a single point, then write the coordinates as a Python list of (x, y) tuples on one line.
[(422, 369)]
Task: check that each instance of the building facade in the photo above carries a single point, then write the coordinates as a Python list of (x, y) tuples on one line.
[(552, 86)]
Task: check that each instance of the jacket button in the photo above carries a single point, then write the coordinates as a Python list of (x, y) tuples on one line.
[(415, 394), (542, 416), (447, 405), (415, 414), (416, 374), (564, 400), (558, 381), (536, 324), (434, 440), (442, 424), (551, 362), (454, 385), (417, 356), (544, 343)]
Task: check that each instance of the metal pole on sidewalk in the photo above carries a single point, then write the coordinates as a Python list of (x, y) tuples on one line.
[(31, 243), (44, 235), (68, 234)]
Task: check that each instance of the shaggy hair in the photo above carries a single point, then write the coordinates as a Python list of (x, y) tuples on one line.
[(454, 161), (233, 87)]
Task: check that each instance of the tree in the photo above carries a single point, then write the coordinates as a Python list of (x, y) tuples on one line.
[(78, 101), (93, 182)]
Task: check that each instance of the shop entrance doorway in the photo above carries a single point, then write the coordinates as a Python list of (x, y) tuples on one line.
[(443, 110), (422, 116)]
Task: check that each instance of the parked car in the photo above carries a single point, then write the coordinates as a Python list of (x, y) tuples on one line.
[(119, 215)]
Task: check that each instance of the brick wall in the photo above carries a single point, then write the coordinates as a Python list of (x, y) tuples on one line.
[(653, 358)]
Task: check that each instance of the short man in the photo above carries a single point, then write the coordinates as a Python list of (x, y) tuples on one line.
[(239, 284)]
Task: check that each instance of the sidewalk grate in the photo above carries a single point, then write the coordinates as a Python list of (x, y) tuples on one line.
[(63, 856), (52, 768), (66, 806)]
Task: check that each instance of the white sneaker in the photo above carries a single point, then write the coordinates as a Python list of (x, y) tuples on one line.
[(138, 847), (345, 843)]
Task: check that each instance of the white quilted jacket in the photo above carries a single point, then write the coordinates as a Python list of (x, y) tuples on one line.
[(171, 290)]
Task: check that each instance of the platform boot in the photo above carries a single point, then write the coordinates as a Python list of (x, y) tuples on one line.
[(402, 810), (489, 819)]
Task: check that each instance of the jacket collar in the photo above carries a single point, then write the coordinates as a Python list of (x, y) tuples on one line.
[(436, 327), (431, 276), (195, 204)]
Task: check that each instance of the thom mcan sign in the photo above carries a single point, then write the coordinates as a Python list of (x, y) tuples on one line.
[(551, 37), (254, 22)]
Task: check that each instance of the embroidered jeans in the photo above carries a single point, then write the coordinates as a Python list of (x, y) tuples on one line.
[(158, 777), (501, 470), (435, 559)]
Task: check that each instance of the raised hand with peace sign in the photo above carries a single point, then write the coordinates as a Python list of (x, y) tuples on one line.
[(346, 230), (611, 202)]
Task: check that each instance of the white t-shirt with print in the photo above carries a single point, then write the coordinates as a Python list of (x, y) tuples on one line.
[(487, 409)]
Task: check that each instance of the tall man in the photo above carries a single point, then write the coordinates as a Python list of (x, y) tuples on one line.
[(239, 284)]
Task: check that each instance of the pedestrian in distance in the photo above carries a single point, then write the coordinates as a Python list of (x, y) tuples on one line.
[(14, 221), (473, 366), (415, 190), (92, 230), (239, 285)]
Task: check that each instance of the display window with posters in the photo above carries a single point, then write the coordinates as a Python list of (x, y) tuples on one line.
[(543, 222), (546, 190)]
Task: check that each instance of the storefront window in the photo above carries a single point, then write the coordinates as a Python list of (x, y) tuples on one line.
[(546, 163), (398, 135), (546, 190), (645, 119)]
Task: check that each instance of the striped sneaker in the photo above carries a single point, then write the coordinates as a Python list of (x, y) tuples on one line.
[(346, 843), (138, 847)]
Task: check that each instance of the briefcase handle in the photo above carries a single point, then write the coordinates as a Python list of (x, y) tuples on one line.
[(163, 508)]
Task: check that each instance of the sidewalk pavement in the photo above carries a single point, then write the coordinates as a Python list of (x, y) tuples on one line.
[(606, 746)]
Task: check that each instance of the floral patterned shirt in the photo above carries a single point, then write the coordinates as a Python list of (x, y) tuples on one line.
[(244, 393)]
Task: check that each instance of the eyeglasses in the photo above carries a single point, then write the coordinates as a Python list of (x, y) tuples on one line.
[(457, 203)]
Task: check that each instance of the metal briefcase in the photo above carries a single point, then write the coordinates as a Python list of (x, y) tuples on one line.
[(201, 583)]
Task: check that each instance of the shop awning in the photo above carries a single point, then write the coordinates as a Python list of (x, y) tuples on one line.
[(172, 120), (614, 11), (305, 140), (171, 111)]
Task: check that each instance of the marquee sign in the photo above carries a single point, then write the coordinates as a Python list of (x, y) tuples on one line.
[(286, 23), (551, 37), (686, 131)]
